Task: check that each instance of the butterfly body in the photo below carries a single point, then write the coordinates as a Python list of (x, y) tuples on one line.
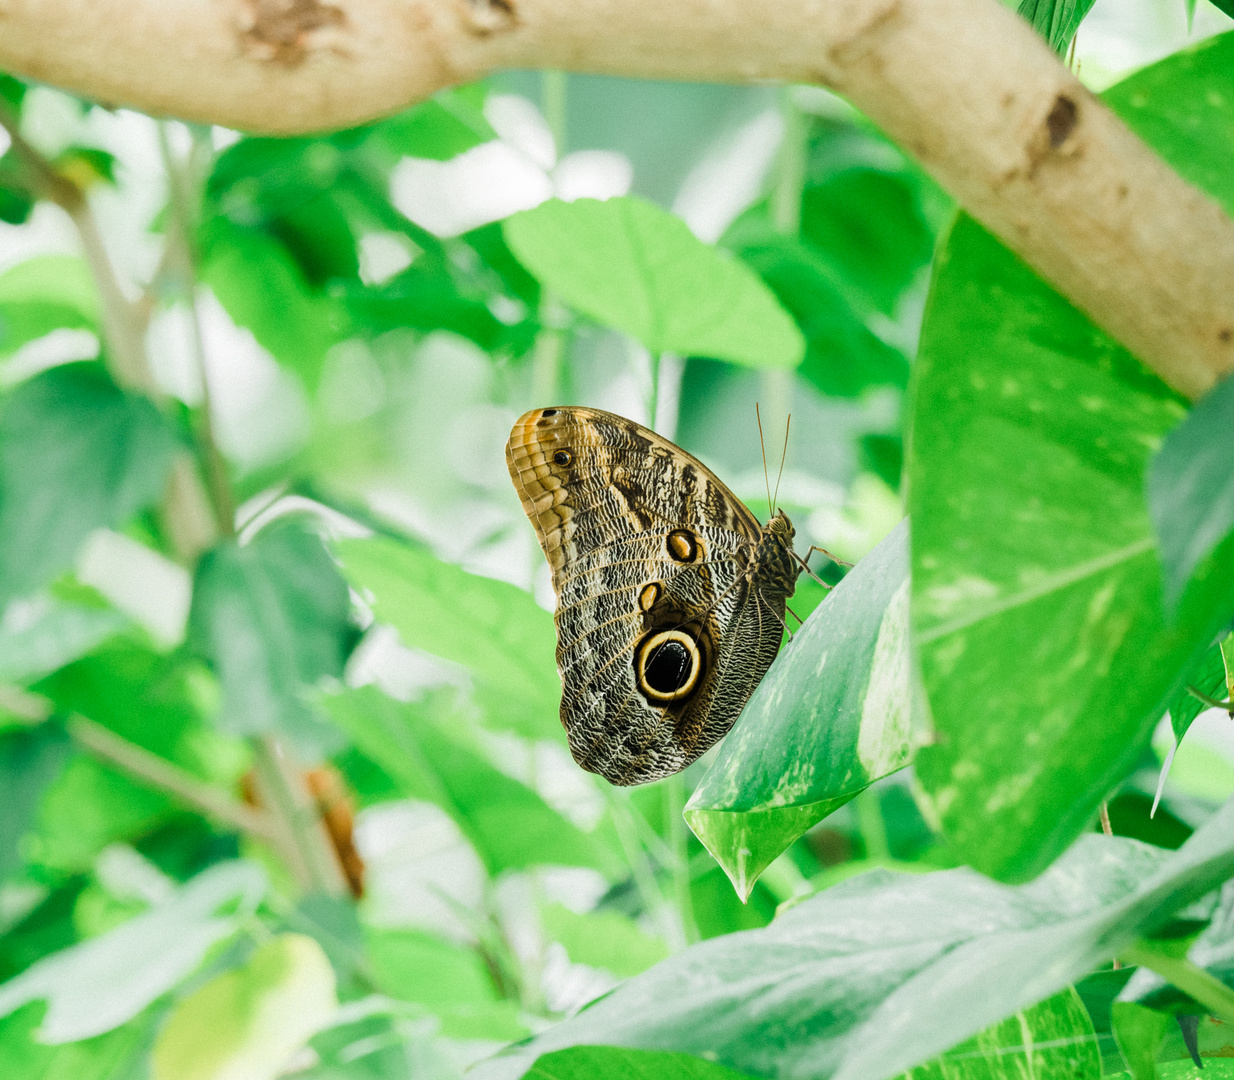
[(670, 594)]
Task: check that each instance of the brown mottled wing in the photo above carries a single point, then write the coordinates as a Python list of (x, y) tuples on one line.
[(618, 510)]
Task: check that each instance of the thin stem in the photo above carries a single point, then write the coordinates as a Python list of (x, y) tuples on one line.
[(302, 836), (181, 250), (673, 790), (1105, 818), (653, 398), (160, 773), (870, 822), (548, 350), (790, 172), (553, 104), (649, 892), (1191, 979)]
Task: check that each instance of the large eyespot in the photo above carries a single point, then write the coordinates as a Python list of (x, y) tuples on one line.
[(563, 458), (667, 665), (549, 412), (682, 546)]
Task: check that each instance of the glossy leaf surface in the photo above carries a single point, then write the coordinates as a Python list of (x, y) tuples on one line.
[(1037, 593), (830, 717)]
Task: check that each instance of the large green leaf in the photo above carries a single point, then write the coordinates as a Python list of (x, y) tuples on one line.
[(884, 971), (603, 939), (48, 633), (46, 293), (509, 825), (830, 717), (250, 1021), (1209, 676), (630, 265), (494, 629), (29, 759), (1191, 489), (272, 617), (104, 982), (1037, 593), (76, 454), (104, 1057)]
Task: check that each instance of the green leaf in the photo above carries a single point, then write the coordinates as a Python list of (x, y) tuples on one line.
[(49, 633), (249, 1022), (29, 759), (439, 129), (1037, 594), (630, 265), (272, 617), (884, 971), (1057, 20), (603, 939), (497, 631), (104, 1057), (843, 356), (415, 966), (1139, 1032), (509, 825), (104, 982), (831, 717), (76, 454), (1053, 1040), (263, 290), (616, 1063), (1191, 489), (46, 293), (1209, 677)]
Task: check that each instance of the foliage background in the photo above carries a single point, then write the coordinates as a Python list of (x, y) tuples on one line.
[(295, 801)]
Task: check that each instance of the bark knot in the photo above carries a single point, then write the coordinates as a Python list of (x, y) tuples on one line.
[(1061, 120), (487, 17), (283, 31)]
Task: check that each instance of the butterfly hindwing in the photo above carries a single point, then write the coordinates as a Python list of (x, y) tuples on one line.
[(662, 629)]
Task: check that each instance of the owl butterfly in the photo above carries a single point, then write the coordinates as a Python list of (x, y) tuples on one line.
[(670, 595)]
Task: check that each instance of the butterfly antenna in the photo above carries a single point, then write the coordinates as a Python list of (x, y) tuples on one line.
[(763, 447), (783, 455)]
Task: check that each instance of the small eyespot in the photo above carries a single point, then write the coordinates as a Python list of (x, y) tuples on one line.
[(681, 545), (563, 458), (648, 595)]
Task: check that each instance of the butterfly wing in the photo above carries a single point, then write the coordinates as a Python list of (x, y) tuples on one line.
[(660, 636)]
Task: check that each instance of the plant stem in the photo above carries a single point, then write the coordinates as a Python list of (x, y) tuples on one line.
[(183, 180), (553, 104), (301, 834), (548, 351), (870, 822), (790, 173), (158, 772), (1181, 973)]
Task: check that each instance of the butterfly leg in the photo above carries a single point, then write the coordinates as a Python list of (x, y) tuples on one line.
[(834, 559)]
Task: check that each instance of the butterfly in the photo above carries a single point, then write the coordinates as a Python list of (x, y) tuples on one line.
[(670, 594)]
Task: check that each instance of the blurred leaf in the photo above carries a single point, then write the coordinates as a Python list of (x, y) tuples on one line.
[(883, 455), (1191, 489), (16, 203), (1209, 677), (249, 1022), (48, 633), (46, 293), (76, 454), (843, 357), (616, 1063), (884, 971), (630, 265), (831, 717), (1139, 1032), (1037, 592), (603, 939), (29, 759), (497, 631), (263, 290), (86, 166), (1226, 6), (509, 825), (867, 224), (12, 90), (438, 129), (104, 982), (414, 966), (717, 910), (1057, 20), (104, 1057), (272, 617)]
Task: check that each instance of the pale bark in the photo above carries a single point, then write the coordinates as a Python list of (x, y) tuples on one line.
[(963, 85)]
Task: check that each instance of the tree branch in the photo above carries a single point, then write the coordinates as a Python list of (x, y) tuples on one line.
[(963, 85)]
